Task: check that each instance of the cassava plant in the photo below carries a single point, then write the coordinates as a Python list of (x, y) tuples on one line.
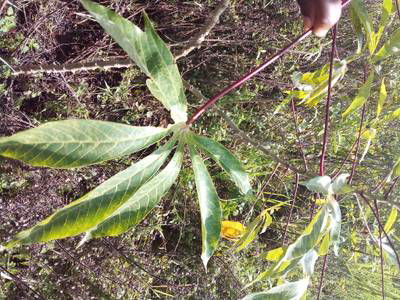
[(122, 201)]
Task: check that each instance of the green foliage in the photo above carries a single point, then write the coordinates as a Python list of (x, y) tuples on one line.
[(362, 96), (210, 208), (149, 53), (78, 143), (226, 160), (125, 199)]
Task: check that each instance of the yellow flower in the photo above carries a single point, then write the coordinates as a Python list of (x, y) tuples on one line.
[(231, 230)]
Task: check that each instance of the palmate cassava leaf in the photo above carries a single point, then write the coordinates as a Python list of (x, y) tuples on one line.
[(77, 143), (140, 203), (97, 205), (226, 160), (288, 291), (150, 54), (210, 208)]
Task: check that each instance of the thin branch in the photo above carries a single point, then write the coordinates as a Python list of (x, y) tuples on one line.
[(209, 103), (353, 168), (326, 138), (18, 281), (389, 191), (321, 281), (132, 262), (3, 6), (74, 67), (381, 252), (243, 135), (397, 8), (344, 161), (296, 186), (198, 39), (327, 106), (268, 180), (298, 135), (381, 227)]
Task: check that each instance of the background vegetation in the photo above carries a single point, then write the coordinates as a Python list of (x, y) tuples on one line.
[(161, 257)]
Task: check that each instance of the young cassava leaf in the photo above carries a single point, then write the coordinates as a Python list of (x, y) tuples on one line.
[(391, 220), (315, 84), (226, 160), (357, 26), (210, 208), (358, 9), (382, 98), (392, 46), (249, 235), (295, 252), (77, 143), (386, 10), (362, 95), (150, 54), (97, 205), (133, 210), (288, 291)]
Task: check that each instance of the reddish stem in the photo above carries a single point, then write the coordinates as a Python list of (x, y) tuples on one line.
[(246, 77), (324, 265), (291, 208), (353, 168), (380, 250), (251, 74), (381, 227), (327, 107), (298, 135)]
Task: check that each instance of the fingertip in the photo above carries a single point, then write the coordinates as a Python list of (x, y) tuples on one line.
[(320, 32), (307, 23)]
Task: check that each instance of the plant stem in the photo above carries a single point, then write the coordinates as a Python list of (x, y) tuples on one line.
[(381, 227), (328, 105), (245, 78), (296, 186), (251, 74), (353, 168), (380, 251)]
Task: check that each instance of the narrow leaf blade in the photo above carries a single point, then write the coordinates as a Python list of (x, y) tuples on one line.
[(362, 96), (382, 98), (226, 160), (141, 202), (77, 143), (97, 205), (210, 208), (392, 46)]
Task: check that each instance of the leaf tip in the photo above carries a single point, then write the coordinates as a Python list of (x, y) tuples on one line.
[(205, 259), (84, 240)]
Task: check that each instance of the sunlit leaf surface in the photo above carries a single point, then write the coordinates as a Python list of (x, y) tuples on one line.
[(77, 143), (210, 209)]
